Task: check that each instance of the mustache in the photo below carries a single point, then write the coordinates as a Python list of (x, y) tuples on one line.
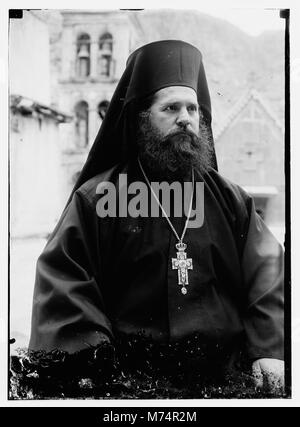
[(181, 140), (180, 133)]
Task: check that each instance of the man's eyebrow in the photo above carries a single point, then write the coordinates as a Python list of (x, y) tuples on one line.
[(171, 101)]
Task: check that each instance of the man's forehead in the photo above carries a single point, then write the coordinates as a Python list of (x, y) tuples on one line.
[(175, 94)]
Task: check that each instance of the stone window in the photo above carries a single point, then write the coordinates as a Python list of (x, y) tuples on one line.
[(82, 124), (83, 55), (105, 55)]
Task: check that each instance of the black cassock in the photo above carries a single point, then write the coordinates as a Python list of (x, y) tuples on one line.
[(99, 278)]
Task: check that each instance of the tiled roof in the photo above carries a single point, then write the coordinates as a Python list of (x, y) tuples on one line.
[(27, 106)]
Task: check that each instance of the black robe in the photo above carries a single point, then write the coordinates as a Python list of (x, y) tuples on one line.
[(99, 278)]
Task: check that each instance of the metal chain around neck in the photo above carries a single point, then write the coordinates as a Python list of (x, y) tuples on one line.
[(180, 239)]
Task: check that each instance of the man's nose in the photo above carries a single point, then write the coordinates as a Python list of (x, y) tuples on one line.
[(183, 119)]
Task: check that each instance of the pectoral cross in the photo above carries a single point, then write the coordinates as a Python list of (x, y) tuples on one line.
[(182, 264)]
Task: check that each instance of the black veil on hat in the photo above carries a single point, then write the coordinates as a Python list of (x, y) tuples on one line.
[(148, 69)]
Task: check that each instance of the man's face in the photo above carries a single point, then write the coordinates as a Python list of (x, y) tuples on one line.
[(172, 136), (175, 108)]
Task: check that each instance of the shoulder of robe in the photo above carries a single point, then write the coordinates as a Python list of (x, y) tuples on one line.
[(235, 197), (88, 189)]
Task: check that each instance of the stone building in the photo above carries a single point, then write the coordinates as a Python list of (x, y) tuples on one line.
[(250, 151), (35, 151), (91, 53)]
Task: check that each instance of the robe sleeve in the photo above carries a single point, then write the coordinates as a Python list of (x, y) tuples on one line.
[(68, 307), (263, 272)]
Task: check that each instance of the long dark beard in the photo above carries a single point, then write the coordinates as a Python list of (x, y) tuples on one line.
[(172, 157)]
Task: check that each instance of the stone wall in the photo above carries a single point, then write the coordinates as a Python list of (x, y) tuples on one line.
[(250, 152)]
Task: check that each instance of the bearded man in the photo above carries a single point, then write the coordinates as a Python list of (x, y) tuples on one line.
[(216, 289)]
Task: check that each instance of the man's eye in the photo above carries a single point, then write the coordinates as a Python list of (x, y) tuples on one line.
[(171, 108), (193, 108)]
